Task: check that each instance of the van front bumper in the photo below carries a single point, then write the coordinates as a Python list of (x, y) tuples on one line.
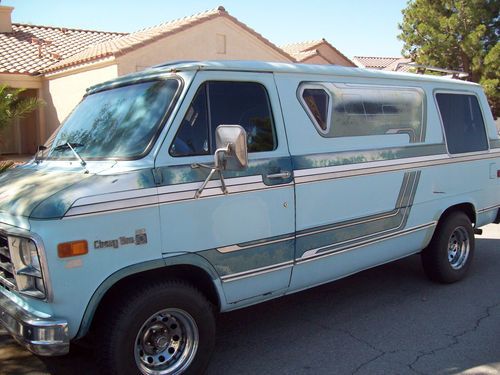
[(42, 336)]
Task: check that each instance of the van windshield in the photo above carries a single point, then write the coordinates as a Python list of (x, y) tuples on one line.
[(119, 123)]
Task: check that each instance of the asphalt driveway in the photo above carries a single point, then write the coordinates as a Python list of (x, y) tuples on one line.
[(388, 320)]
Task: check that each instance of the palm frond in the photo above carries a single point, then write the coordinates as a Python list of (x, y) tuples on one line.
[(13, 107), (4, 165)]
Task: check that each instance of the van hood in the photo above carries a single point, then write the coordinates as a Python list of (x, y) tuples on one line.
[(22, 189), (49, 193)]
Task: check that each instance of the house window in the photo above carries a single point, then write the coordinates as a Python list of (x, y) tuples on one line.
[(225, 103), (221, 44), (463, 123)]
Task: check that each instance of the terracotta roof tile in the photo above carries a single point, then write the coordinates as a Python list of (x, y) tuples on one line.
[(403, 68), (30, 49), (301, 47), (374, 62), (383, 63), (304, 50), (126, 43)]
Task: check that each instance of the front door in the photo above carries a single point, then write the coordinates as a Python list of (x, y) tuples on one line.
[(247, 234)]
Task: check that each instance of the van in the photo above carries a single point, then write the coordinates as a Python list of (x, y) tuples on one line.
[(194, 188)]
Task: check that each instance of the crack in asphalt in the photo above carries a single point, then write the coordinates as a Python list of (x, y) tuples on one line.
[(380, 354), (455, 338), (411, 366)]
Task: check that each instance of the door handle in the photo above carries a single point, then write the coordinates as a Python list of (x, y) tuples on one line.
[(282, 175)]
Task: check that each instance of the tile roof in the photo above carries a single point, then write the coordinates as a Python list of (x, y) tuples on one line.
[(304, 50), (129, 42), (403, 68), (383, 63), (301, 47), (374, 62), (29, 49)]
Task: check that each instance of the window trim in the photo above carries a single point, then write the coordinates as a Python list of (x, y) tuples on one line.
[(443, 130), (315, 86), (209, 113)]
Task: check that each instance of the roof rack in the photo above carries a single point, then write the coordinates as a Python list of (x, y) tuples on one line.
[(421, 69)]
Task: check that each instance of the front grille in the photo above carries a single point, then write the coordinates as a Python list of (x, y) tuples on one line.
[(7, 278)]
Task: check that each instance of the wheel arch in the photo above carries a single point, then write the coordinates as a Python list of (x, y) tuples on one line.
[(466, 207), (188, 267)]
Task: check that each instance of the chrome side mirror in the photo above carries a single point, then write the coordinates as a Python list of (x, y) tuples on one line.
[(231, 154), (231, 140)]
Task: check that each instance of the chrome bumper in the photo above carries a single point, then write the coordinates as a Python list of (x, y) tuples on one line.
[(47, 337)]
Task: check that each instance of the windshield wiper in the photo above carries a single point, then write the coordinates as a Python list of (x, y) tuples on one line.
[(72, 146), (41, 148)]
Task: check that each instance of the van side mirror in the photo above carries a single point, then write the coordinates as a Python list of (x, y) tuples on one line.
[(231, 154), (234, 138)]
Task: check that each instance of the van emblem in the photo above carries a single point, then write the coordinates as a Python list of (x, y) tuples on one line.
[(140, 238)]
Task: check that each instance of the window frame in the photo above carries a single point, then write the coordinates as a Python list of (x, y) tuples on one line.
[(300, 95), (443, 130), (209, 113)]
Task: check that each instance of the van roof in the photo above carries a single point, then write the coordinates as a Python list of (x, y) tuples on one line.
[(278, 67), (275, 67)]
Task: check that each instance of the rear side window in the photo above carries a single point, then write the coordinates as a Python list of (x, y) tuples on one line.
[(317, 102), (351, 110), (226, 103), (463, 123)]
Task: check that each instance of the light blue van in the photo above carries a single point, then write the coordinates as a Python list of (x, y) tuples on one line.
[(195, 188)]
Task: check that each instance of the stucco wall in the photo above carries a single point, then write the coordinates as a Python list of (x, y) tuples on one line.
[(201, 42), (63, 92), (316, 60), (333, 56)]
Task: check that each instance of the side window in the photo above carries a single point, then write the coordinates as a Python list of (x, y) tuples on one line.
[(192, 137), (463, 123), (317, 102), (359, 110), (226, 103)]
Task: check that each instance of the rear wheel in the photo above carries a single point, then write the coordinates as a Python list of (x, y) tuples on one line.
[(163, 329), (449, 255)]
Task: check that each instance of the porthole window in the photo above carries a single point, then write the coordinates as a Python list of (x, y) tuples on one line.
[(317, 104)]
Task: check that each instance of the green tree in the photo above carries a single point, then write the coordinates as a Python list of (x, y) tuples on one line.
[(12, 107), (456, 34)]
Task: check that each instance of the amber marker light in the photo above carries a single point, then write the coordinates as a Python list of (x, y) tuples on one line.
[(72, 249)]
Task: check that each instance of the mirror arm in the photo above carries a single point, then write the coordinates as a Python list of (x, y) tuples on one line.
[(215, 169)]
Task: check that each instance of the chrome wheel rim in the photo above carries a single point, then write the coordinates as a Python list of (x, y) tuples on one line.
[(458, 248), (166, 343)]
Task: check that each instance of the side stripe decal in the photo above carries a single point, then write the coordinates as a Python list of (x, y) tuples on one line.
[(309, 170), (344, 234)]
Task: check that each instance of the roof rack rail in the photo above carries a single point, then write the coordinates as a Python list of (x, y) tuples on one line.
[(421, 69)]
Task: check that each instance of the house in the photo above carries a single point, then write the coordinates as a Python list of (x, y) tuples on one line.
[(317, 52), (57, 64)]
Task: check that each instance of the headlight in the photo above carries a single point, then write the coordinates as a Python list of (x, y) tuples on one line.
[(29, 254), (26, 262)]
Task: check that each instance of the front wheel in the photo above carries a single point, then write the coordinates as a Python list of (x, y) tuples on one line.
[(449, 254), (162, 329)]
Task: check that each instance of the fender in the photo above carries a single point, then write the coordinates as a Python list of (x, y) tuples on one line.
[(173, 259)]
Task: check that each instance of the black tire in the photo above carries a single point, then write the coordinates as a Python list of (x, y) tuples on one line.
[(170, 308), (449, 254)]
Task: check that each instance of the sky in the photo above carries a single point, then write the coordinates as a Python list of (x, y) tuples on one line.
[(355, 27)]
